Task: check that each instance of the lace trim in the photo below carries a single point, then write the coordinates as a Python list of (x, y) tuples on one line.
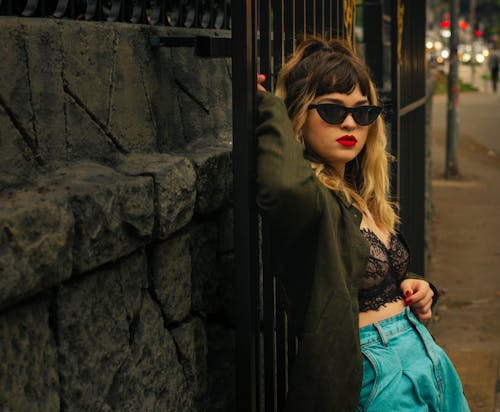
[(385, 270)]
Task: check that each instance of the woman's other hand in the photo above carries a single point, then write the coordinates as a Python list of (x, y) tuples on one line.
[(261, 78), (418, 295)]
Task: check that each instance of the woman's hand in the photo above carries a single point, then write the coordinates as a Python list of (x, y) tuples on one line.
[(261, 78), (418, 295)]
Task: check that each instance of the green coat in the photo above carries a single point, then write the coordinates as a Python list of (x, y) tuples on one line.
[(320, 256)]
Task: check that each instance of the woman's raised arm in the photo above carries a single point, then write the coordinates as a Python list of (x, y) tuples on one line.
[(288, 193)]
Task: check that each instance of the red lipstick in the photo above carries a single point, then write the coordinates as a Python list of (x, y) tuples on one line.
[(347, 140)]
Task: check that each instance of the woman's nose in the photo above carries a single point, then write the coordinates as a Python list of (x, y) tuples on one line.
[(349, 122)]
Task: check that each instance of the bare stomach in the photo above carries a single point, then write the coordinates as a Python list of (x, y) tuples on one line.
[(384, 312)]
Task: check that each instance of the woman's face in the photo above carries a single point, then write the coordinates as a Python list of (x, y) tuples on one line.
[(341, 143)]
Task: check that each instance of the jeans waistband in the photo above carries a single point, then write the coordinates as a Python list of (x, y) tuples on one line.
[(383, 330)]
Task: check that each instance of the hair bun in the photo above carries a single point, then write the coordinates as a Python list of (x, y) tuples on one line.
[(311, 46)]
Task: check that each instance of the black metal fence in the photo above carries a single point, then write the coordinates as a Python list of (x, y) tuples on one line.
[(281, 26), (264, 34), (391, 37), (209, 14)]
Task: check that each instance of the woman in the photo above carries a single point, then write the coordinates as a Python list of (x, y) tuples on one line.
[(323, 189)]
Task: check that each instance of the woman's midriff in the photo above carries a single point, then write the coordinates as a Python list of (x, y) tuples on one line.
[(384, 312)]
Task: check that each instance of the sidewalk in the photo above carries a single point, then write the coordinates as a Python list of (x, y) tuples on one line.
[(465, 246)]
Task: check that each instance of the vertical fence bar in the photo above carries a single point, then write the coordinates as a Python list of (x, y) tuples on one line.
[(412, 172), (299, 20), (245, 214), (323, 17), (268, 295), (265, 43), (329, 19), (268, 285), (31, 8), (341, 29), (313, 28), (71, 10), (158, 14), (270, 346), (281, 344), (395, 99), (373, 30), (309, 17), (319, 25), (277, 37), (289, 28), (269, 319), (43, 8)]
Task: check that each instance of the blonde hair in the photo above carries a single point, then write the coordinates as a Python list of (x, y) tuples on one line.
[(320, 67)]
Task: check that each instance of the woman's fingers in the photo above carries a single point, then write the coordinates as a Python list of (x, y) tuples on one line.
[(418, 295), (261, 78), (424, 315), (420, 298), (416, 290)]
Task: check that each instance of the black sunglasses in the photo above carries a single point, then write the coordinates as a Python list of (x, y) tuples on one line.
[(336, 114)]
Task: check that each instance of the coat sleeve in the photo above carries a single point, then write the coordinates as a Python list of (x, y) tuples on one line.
[(288, 192)]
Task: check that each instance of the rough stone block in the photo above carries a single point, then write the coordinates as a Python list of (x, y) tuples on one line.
[(214, 175), (192, 95), (152, 371), (42, 45), (18, 166), (203, 248), (90, 61), (97, 319), (15, 90), (36, 238), (28, 360), (204, 95), (174, 180), (131, 117), (166, 109), (85, 138), (171, 277), (191, 340), (220, 97), (92, 91), (114, 213)]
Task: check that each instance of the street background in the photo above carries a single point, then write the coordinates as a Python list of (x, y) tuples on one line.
[(465, 246)]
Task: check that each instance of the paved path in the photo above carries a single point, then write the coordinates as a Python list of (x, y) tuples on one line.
[(478, 117), (465, 246)]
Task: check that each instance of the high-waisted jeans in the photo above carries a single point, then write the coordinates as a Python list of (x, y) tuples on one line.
[(405, 370)]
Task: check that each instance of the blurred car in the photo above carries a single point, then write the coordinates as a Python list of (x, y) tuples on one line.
[(475, 53), (436, 51)]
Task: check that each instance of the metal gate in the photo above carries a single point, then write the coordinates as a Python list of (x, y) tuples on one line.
[(391, 37), (396, 56)]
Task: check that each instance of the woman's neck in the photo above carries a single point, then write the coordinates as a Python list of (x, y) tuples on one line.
[(339, 169)]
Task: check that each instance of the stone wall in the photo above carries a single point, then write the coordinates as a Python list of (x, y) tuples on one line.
[(116, 250)]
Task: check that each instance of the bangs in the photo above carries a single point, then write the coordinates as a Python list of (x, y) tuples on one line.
[(340, 75)]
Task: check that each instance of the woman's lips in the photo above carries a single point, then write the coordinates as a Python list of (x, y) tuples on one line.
[(347, 140)]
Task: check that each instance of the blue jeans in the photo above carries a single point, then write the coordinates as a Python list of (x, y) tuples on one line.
[(405, 370)]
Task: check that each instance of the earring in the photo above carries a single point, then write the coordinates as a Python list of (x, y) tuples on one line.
[(300, 138)]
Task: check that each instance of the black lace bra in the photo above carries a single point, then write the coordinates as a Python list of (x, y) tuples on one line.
[(384, 273)]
